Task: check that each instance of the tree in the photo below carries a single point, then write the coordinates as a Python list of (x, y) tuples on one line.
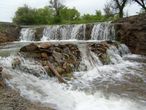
[(142, 3), (69, 14), (108, 10), (44, 16), (56, 5), (87, 18), (28, 16), (119, 5), (24, 15)]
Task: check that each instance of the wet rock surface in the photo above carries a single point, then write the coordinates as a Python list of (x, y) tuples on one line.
[(66, 58)]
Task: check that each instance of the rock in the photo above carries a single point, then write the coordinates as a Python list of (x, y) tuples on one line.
[(48, 70), (29, 48), (65, 58), (44, 63), (16, 62), (68, 67), (44, 45), (57, 56), (1, 68), (44, 56), (1, 78), (132, 32), (60, 70), (39, 33), (104, 58), (12, 100)]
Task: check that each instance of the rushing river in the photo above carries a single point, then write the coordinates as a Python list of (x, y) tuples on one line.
[(120, 85)]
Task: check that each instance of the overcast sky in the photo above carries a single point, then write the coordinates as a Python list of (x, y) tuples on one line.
[(8, 7)]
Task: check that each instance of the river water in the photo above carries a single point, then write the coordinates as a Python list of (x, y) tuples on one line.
[(120, 85)]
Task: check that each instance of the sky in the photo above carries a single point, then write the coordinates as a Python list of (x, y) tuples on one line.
[(9, 7)]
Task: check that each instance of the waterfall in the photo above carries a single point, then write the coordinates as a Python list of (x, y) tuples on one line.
[(78, 32), (103, 31), (51, 33), (27, 34), (100, 31), (89, 59), (119, 84), (64, 32)]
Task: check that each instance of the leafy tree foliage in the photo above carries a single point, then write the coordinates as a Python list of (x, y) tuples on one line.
[(44, 16), (24, 15), (28, 16), (69, 14)]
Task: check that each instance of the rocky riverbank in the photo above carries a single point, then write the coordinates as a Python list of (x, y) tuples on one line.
[(11, 100), (132, 32), (9, 32)]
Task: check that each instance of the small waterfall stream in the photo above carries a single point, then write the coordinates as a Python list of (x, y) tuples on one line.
[(27, 34), (103, 31), (118, 85)]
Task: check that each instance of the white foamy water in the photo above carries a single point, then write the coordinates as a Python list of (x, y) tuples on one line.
[(103, 31), (98, 31), (62, 97), (27, 34)]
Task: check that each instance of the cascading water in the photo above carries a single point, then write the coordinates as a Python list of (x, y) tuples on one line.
[(118, 85), (48, 91), (78, 32), (27, 34), (103, 31), (64, 32)]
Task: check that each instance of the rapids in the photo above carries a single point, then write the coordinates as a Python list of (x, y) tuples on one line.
[(120, 85)]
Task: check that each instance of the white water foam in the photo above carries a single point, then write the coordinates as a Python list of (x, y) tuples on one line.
[(27, 34), (103, 31), (60, 97)]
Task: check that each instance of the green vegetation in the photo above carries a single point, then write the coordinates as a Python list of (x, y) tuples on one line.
[(28, 16), (57, 13)]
